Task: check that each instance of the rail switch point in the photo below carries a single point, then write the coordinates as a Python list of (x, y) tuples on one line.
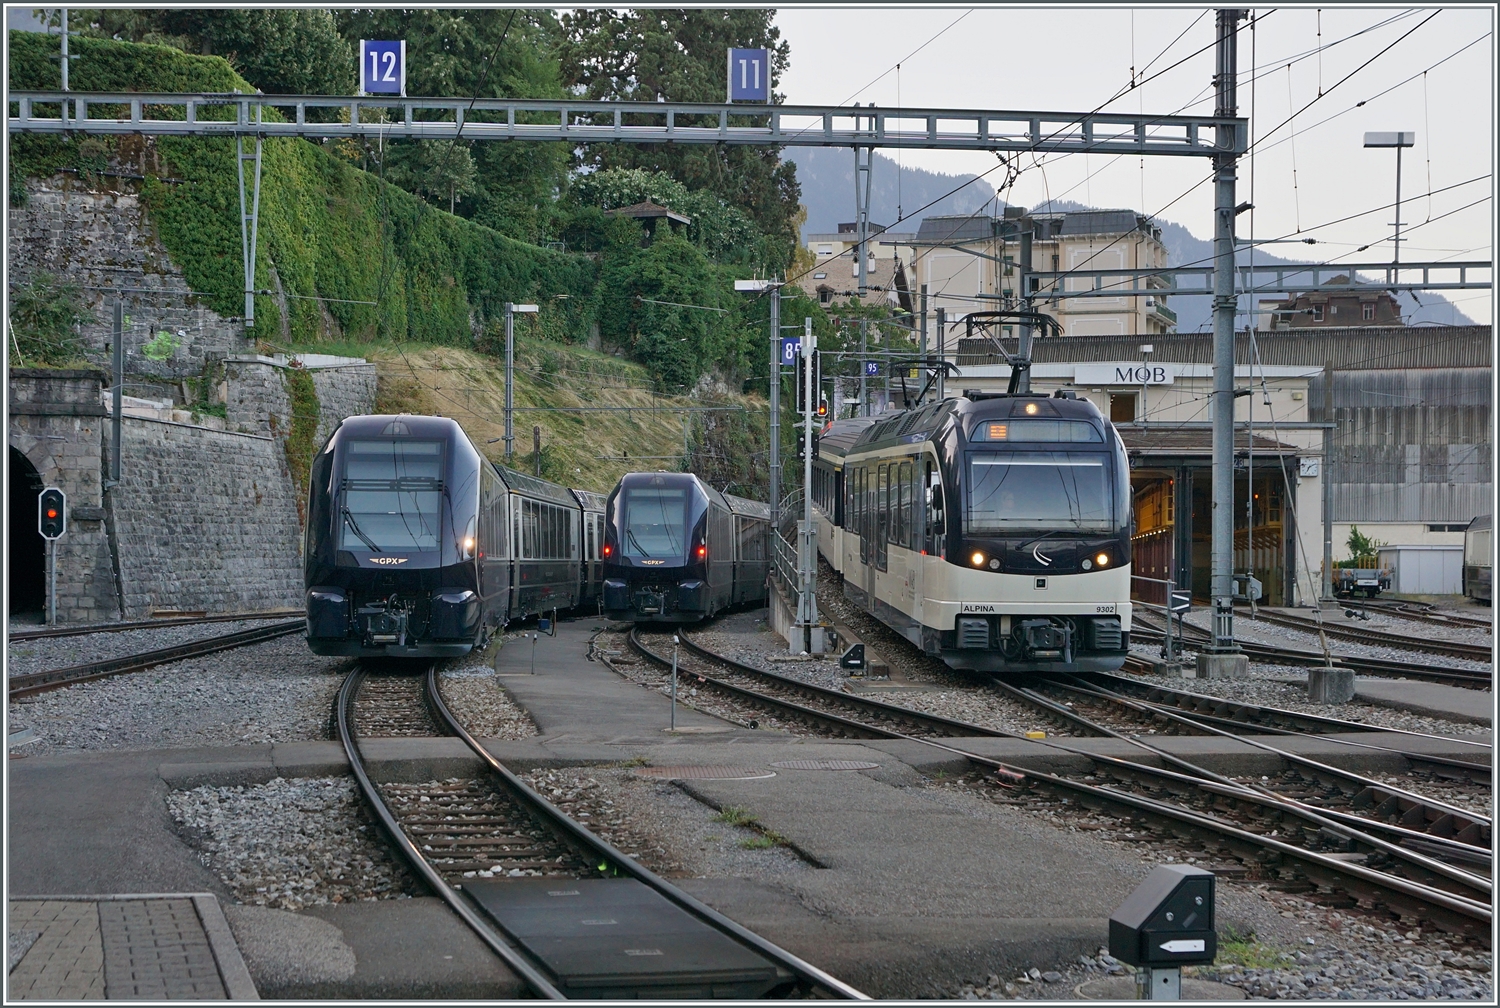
[(1165, 924)]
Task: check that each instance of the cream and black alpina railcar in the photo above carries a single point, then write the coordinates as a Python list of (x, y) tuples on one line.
[(992, 531)]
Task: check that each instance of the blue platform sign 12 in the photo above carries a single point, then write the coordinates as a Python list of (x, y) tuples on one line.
[(872, 368), (382, 67), (790, 347), (750, 75)]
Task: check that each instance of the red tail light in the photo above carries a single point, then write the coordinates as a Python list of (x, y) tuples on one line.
[(702, 552), (608, 549)]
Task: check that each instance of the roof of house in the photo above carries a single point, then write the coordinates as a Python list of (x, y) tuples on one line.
[(964, 228), (649, 210), (1099, 222)]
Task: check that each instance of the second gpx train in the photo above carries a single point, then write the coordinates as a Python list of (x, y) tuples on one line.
[(992, 531), (677, 551)]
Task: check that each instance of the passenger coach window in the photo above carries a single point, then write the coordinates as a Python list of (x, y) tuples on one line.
[(393, 493)]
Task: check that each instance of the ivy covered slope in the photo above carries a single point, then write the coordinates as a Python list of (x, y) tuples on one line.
[(331, 230)]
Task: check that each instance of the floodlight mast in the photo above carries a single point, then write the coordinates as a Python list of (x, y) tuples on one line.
[(1397, 140)]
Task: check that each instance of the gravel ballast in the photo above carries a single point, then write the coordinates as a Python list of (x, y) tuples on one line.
[(472, 692), (290, 844), (26, 656), (276, 691)]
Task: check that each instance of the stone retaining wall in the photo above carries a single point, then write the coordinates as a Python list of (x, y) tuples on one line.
[(207, 520), (100, 239)]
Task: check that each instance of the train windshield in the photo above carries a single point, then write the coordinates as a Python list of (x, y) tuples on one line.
[(655, 522), (393, 492), (1012, 491)]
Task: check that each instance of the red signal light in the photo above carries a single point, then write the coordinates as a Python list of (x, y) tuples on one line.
[(52, 512)]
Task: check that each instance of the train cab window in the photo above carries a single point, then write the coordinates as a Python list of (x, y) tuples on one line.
[(392, 496), (654, 522)]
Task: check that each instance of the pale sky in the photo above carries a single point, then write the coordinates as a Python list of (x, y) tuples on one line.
[(1070, 58)]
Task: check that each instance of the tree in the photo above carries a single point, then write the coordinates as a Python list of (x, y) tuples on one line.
[(45, 314), (295, 50), (482, 53), (678, 55), (676, 343), (1361, 546)]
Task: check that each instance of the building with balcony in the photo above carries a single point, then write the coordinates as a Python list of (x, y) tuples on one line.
[(972, 263)]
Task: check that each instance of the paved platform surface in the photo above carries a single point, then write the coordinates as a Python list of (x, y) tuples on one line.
[(1451, 703), (132, 947)]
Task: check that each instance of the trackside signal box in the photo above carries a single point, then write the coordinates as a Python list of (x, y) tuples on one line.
[(52, 513), (1168, 921)]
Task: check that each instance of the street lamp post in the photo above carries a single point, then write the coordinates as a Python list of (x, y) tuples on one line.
[(1397, 140), (510, 375)]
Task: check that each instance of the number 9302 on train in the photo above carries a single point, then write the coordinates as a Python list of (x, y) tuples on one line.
[(992, 531)]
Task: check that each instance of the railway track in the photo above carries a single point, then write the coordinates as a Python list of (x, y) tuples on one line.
[(1362, 635), (1323, 850), (51, 679), (458, 834), (1144, 629), (150, 624), (1401, 816), (833, 712), (1276, 721), (1422, 612)]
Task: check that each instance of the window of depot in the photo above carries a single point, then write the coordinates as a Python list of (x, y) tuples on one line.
[(1369, 312), (1122, 407), (1317, 313)]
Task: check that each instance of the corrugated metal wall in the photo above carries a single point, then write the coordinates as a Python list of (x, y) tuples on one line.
[(1412, 406), (1411, 445)]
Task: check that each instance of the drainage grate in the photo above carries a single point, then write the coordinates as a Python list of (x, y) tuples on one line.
[(825, 764), (704, 772)]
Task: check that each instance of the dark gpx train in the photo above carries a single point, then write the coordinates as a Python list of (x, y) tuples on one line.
[(677, 551), (417, 546)]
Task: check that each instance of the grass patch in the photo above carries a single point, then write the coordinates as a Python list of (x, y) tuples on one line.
[(735, 816), (637, 761), (589, 450), (1242, 949), (761, 842)]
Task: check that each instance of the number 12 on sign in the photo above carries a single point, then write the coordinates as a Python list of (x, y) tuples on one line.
[(382, 67)]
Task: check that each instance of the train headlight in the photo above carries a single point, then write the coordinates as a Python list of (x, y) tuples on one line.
[(977, 559), (1102, 559), (1031, 409), (1087, 564)]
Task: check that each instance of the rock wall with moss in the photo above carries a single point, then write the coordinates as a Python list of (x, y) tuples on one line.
[(331, 235)]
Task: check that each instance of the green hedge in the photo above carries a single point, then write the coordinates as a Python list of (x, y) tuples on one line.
[(331, 230)]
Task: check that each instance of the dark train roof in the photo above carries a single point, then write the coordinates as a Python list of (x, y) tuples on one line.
[(911, 426), (839, 436), (589, 500), (736, 505), (748, 508), (545, 489), (399, 425)]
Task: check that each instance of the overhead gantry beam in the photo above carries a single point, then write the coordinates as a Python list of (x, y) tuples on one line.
[(1278, 279), (623, 122)]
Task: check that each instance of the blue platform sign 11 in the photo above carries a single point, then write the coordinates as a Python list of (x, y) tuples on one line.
[(790, 347), (872, 368), (382, 67), (750, 75)]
